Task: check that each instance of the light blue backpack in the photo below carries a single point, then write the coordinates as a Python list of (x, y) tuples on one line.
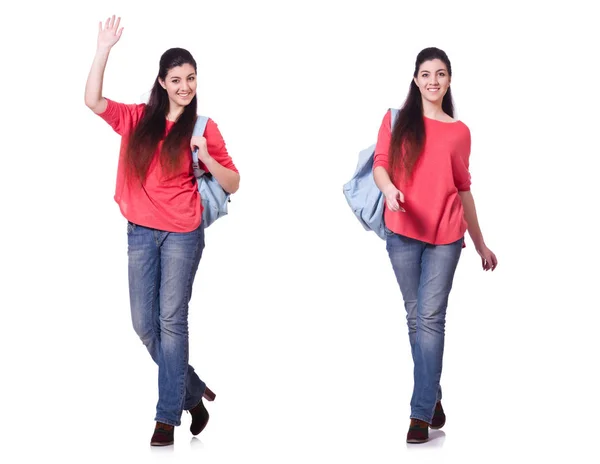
[(214, 198), (363, 195)]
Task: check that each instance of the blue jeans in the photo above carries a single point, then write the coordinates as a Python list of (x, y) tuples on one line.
[(162, 266), (424, 273)]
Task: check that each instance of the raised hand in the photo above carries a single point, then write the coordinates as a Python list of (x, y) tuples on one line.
[(109, 34)]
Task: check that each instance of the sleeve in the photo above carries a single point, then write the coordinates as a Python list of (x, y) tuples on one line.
[(121, 117), (382, 147), (460, 162), (216, 146)]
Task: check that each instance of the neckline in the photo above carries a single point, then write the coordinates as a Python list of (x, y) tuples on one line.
[(443, 122)]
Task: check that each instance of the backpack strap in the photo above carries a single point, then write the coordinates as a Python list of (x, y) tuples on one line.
[(199, 129), (394, 113), (200, 126)]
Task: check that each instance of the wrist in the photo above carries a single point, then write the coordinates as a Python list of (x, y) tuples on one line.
[(387, 188), (479, 244), (102, 50), (208, 160)]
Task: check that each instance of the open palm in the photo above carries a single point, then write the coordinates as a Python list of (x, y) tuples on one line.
[(110, 33)]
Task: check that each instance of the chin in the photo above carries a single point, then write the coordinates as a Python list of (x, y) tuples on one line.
[(435, 99)]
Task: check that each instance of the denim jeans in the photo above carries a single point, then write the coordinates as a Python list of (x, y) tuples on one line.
[(424, 273), (162, 266)]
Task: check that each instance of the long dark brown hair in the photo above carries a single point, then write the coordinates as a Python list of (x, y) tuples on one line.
[(152, 126), (408, 133)]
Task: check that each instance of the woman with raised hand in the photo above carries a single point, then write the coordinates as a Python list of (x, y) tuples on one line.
[(421, 166), (157, 193)]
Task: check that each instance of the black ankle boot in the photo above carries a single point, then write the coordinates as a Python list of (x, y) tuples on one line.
[(199, 418)]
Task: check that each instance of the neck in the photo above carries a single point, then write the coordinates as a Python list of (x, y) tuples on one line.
[(432, 110), (174, 112)]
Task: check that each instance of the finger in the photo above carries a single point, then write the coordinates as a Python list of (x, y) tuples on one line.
[(494, 261), (119, 33), (112, 21), (117, 25), (99, 27), (107, 23), (401, 196), (392, 205)]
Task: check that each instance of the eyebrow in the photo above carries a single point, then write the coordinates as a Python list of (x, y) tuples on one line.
[(178, 77), (425, 70)]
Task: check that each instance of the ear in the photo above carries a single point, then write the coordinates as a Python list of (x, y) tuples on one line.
[(162, 83), (416, 83)]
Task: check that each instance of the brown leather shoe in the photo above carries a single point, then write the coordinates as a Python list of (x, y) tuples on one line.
[(439, 417), (418, 432), (163, 435)]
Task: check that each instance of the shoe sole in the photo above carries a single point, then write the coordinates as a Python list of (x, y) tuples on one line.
[(160, 443), (415, 442)]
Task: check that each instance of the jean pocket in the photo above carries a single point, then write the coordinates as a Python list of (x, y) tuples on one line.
[(388, 232), (130, 227)]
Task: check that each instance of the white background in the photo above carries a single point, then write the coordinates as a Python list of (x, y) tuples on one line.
[(296, 321)]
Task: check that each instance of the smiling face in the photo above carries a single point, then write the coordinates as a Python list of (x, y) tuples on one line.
[(433, 80), (180, 84)]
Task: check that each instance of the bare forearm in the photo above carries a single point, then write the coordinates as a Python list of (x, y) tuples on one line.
[(228, 179), (382, 178), (93, 88), (108, 36), (468, 203)]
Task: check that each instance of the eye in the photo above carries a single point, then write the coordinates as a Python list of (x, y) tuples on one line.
[(192, 78), (425, 75), (175, 81), (442, 74)]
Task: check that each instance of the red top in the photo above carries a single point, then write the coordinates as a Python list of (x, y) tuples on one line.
[(434, 212), (171, 203)]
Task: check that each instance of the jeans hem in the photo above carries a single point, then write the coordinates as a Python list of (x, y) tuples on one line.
[(422, 418), (168, 422), (193, 404)]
